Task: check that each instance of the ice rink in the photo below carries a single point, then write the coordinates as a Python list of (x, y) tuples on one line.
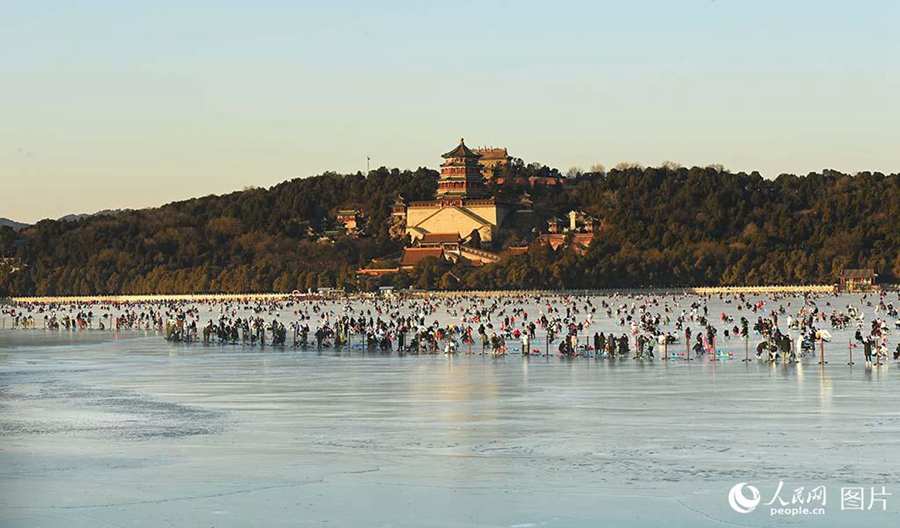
[(100, 429)]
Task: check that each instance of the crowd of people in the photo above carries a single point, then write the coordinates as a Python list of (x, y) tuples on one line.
[(641, 327)]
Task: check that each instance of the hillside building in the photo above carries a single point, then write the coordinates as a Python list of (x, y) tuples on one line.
[(351, 219), (462, 205), (857, 280), (578, 232), (492, 161)]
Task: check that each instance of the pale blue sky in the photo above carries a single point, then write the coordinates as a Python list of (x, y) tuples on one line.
[(131, 104)]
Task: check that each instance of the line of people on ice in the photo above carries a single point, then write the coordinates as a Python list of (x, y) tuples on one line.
[(645, 325), (247, 330)]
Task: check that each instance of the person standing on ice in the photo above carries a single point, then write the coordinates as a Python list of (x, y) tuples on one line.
[(698, 345), (867, 351)]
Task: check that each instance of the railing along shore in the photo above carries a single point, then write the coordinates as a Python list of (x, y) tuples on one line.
[(700, 290), (254, 297)]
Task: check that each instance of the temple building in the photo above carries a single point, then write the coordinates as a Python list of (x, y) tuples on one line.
[(351, 219), (578, 233), (460, 224), (858, 280), (462, 207), (492, 161)]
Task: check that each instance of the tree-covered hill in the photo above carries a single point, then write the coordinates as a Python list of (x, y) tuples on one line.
[(252, 240), (658, 227), (701, 226)]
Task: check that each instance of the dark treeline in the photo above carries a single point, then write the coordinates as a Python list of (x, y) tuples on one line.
[(658, 227), (247, 241)]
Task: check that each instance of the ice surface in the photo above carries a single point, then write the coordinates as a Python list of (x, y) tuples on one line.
[(140, 432)]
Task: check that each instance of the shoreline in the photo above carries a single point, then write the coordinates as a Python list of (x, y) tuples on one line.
[(272, 296)]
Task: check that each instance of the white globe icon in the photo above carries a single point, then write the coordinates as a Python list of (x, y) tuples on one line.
[(740, 502)]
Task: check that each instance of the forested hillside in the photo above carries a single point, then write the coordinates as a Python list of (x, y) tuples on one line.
[(659, 227), (252, 240), (705, 227)]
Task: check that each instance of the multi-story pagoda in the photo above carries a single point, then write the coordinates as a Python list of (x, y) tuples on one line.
[(462, 206), (461, 174)]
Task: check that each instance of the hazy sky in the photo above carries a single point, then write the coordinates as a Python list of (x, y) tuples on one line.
[(130, 104)]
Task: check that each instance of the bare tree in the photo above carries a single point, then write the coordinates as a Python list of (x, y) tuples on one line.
[(627, 165), (574, 172), (670, 165), (598, 168)]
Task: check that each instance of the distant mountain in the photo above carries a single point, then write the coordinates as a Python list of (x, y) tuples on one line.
[(16, 226), (79, 216), (6, 222), (72, 217)]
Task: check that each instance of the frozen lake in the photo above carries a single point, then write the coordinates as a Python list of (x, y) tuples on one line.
[(97, 430)]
